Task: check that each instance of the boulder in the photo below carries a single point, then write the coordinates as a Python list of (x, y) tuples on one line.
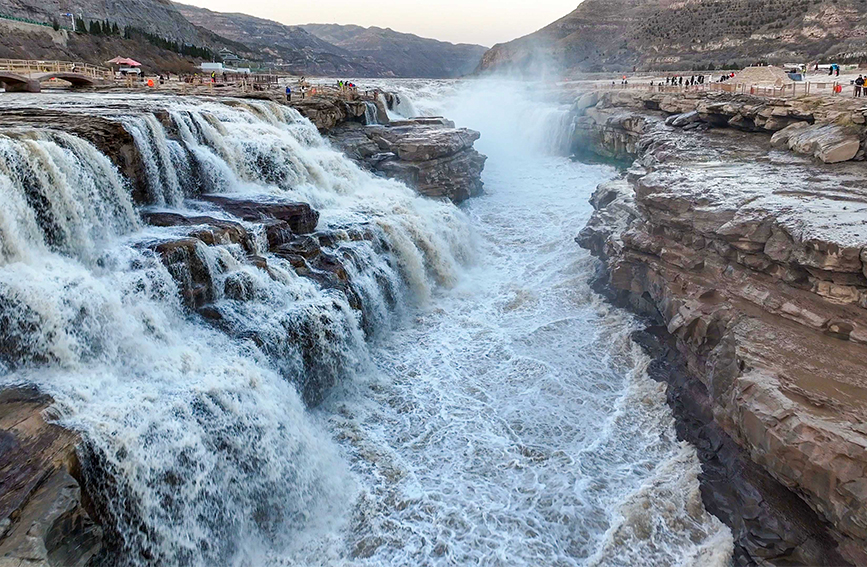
[(585, 101), (43, 519), (681, 120), (300, 217), (781, 138), (828, 142)]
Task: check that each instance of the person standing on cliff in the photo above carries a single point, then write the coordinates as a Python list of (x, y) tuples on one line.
[(859, 85), (288, 93)]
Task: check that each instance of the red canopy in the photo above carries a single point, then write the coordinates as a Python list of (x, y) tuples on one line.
[(125, 61)]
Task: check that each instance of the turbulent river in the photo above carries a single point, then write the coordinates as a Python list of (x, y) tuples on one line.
[(493, 410)]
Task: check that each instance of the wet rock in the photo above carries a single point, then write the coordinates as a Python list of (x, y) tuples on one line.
[(755, 269), (43, 520), (189, 270), (209, 230), (109, 137), (300, 217), (431, 156)]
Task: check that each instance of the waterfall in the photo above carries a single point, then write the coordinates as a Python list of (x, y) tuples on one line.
[(198, 448), (371, 113)]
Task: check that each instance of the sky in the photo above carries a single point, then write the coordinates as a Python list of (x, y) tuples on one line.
[(485, 22)]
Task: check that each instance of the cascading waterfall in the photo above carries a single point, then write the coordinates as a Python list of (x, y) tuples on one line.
[(199, 449), (371, 113)]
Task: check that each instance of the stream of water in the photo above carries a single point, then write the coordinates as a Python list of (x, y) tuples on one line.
[(497, 413)]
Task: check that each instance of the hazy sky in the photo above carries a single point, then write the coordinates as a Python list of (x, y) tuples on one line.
[(468, 21)]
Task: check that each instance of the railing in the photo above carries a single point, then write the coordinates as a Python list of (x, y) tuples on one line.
[(32, 22), (27, 67), (804, 88)]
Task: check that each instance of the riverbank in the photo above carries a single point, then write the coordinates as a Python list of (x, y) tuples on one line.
[(751, 259)]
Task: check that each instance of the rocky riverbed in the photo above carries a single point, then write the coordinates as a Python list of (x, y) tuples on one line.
[(750, 260)]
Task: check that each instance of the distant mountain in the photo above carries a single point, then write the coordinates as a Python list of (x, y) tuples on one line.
[(619, 35), (341, 50), (165, 29), (406, 55), (290, 47)]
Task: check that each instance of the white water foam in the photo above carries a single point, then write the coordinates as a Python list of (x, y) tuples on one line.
[(507, 420), (513, 422), (197, 444)]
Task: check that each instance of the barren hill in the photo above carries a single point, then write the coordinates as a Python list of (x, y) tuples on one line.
[(332, 49), (618, 35), (406, 55), (291, 47)]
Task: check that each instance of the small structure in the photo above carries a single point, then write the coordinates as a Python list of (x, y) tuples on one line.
[(211, 67), (763, 76), (229, 58), (126, 66)]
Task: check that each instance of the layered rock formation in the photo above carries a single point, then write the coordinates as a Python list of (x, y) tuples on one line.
[(429, 155), (752, 261), (832, 132), (620, 35), (43, 515)]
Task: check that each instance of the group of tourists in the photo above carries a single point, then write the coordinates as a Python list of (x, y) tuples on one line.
[(726, 77), (833, 70), (681, 81)]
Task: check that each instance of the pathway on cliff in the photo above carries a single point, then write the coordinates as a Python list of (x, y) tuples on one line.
[(510, 421)]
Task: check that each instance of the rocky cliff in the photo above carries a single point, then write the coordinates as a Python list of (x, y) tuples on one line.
[(752, 262), (619, 35)]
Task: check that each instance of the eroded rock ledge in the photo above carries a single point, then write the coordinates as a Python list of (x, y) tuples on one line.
[(753, 261), (44, 518), (430, 155)]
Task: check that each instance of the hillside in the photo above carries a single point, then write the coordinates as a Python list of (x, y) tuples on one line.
[(153, 16), (407, 55), (147, 24), (290, 47), (619, 35), (338, 50)]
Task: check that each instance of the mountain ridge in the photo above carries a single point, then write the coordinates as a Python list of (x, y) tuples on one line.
[(343, 50), (622, 35)]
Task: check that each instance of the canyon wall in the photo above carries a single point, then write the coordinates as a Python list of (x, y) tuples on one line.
[(752, 261)]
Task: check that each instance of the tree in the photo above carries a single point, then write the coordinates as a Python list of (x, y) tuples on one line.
[(80, 25), (55, 25)]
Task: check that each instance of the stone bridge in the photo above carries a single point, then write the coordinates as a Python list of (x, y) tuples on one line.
[(27, 76), (32, 83)]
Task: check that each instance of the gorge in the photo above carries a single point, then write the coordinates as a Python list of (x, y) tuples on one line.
[(240, 332)]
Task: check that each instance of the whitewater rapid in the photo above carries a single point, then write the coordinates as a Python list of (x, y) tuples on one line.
[(511, 421), (488, 408)]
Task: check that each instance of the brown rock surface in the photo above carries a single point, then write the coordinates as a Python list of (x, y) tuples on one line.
[(43, 520), (753, 262), (433, 157)]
